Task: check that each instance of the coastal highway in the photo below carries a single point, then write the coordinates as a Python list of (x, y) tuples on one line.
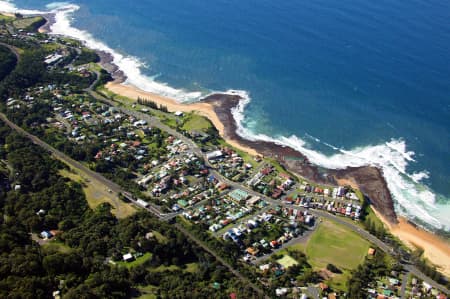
[(318, 213), (113, 187), (116, 188), (12, 49), (357, 229), (165, 217)]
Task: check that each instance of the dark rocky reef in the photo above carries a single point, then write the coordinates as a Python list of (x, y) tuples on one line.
[(369, 179)]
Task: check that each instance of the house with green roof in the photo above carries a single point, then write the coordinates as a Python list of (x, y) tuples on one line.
[(238, 195)]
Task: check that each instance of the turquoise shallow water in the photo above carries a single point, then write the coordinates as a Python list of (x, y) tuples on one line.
[(346, 82)]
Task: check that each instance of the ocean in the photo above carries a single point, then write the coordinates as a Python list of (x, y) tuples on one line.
[(347, 83)]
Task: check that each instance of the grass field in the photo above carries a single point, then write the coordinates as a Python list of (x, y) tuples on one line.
[(159, 237), (191, 267), (163, 268), (6, 18), (148, 292), (195, 122), (56, 246), (97, 193), (334, 244), (287, 261), (28, 22), (139, 261)]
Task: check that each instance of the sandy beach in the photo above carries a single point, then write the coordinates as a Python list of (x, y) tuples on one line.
[(435, 248), (202, 108)]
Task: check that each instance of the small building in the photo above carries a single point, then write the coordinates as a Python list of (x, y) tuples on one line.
[(252, 250), (253, 200), (178, 113), (214, 155), (142, 203), (128, 257), (281, 291), (264, 267), (46, 234), (371, 251), (182, 203)]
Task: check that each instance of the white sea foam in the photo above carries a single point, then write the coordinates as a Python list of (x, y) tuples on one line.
[(411, 198), (129, 65), (9, 7)]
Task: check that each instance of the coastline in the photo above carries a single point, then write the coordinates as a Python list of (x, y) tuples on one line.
[(203, 108), (436, 249), (49, 20), (217, 108)]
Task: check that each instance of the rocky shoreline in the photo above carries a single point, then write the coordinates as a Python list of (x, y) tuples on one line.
[(368, 179)]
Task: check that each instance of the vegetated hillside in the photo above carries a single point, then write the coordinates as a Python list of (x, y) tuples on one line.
[(7, 61), (75, 262)]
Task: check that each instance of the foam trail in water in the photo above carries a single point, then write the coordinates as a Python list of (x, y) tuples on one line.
[(412, 199), (9, 7), (129, 65)]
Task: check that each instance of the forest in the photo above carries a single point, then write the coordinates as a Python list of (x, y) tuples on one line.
[(7, 61), (75, 262)]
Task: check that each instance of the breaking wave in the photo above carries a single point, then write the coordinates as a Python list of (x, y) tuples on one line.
[(129, 65), (9, 7), (412, 199)]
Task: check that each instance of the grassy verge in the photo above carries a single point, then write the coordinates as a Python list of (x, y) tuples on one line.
[(6, 18), (97, 193), (195, 122), (56, 246), (148, 292), (287, 261), (139, 261), (29, 23)]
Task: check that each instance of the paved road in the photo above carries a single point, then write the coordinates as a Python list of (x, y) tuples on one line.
[(153, 209), (221, 260), (13, 49), (116, 188), (300, 239), (194, 147), (404, 283)]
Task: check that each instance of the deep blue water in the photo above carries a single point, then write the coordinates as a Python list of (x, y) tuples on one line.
[(350, 73)]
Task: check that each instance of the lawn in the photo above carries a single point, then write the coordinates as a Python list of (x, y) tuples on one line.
[(195, 122), (296, 247), (191, 267), (28, 22), (139, 261), (97, 193), (163, 268), (6, 18), (159, 237), (58, 246), (334, 244), (287, 261), (148, 292)]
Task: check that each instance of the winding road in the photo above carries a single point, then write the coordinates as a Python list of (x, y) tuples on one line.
[(156, 211)]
